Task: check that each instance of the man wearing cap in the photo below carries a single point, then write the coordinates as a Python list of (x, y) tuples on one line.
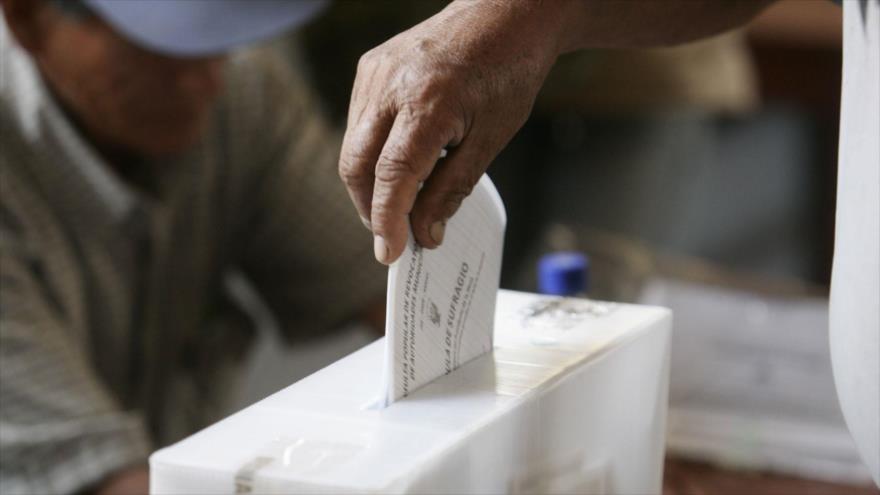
[(140, 165)]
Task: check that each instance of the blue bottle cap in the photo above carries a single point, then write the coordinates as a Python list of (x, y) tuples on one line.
[(563, 274)]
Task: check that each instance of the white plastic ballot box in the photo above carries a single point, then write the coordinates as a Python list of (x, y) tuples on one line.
[(572, 399)]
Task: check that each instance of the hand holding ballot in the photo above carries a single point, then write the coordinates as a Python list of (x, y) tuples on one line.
[(466, 79), (454, 81)]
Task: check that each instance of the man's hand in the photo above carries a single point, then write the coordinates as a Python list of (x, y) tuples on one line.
[(464, 80)]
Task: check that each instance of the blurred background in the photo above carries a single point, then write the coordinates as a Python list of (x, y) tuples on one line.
[(699, 177)]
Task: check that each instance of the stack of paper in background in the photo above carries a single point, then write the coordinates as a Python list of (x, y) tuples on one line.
[(751, 384)]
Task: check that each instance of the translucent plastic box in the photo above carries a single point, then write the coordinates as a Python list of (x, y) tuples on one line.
[(572, 400)]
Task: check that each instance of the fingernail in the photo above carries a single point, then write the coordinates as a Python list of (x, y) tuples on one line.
[(367, 224), (380, 250), (437, 230)]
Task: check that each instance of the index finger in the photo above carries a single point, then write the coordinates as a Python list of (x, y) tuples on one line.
[(361, 146), (406, 160)]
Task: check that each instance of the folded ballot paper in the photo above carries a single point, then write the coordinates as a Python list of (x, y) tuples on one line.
[(441, 302)]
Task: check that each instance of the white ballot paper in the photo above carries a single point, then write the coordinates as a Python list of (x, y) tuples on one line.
[(441, 302)]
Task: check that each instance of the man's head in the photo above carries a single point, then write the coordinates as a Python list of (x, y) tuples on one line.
[(141, 76), (122, 95)]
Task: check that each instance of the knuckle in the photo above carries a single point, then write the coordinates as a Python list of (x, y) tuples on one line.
[(351, 170), (425, 95), (454, 196), (462, 186), (366, 59), (394, 167), (432, 116), (382, 215)]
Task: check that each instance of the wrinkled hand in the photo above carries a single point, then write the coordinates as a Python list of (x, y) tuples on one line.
[(464, 80)]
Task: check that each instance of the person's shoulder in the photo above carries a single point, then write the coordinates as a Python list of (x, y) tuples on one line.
[(266, 100), (263, 103), (262, 77), (261, 58)]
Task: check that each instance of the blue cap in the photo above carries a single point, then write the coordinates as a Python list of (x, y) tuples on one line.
[(202, 27), (563, 274)]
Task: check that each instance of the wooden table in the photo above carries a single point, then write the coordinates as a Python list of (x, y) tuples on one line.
[(693, 478)]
